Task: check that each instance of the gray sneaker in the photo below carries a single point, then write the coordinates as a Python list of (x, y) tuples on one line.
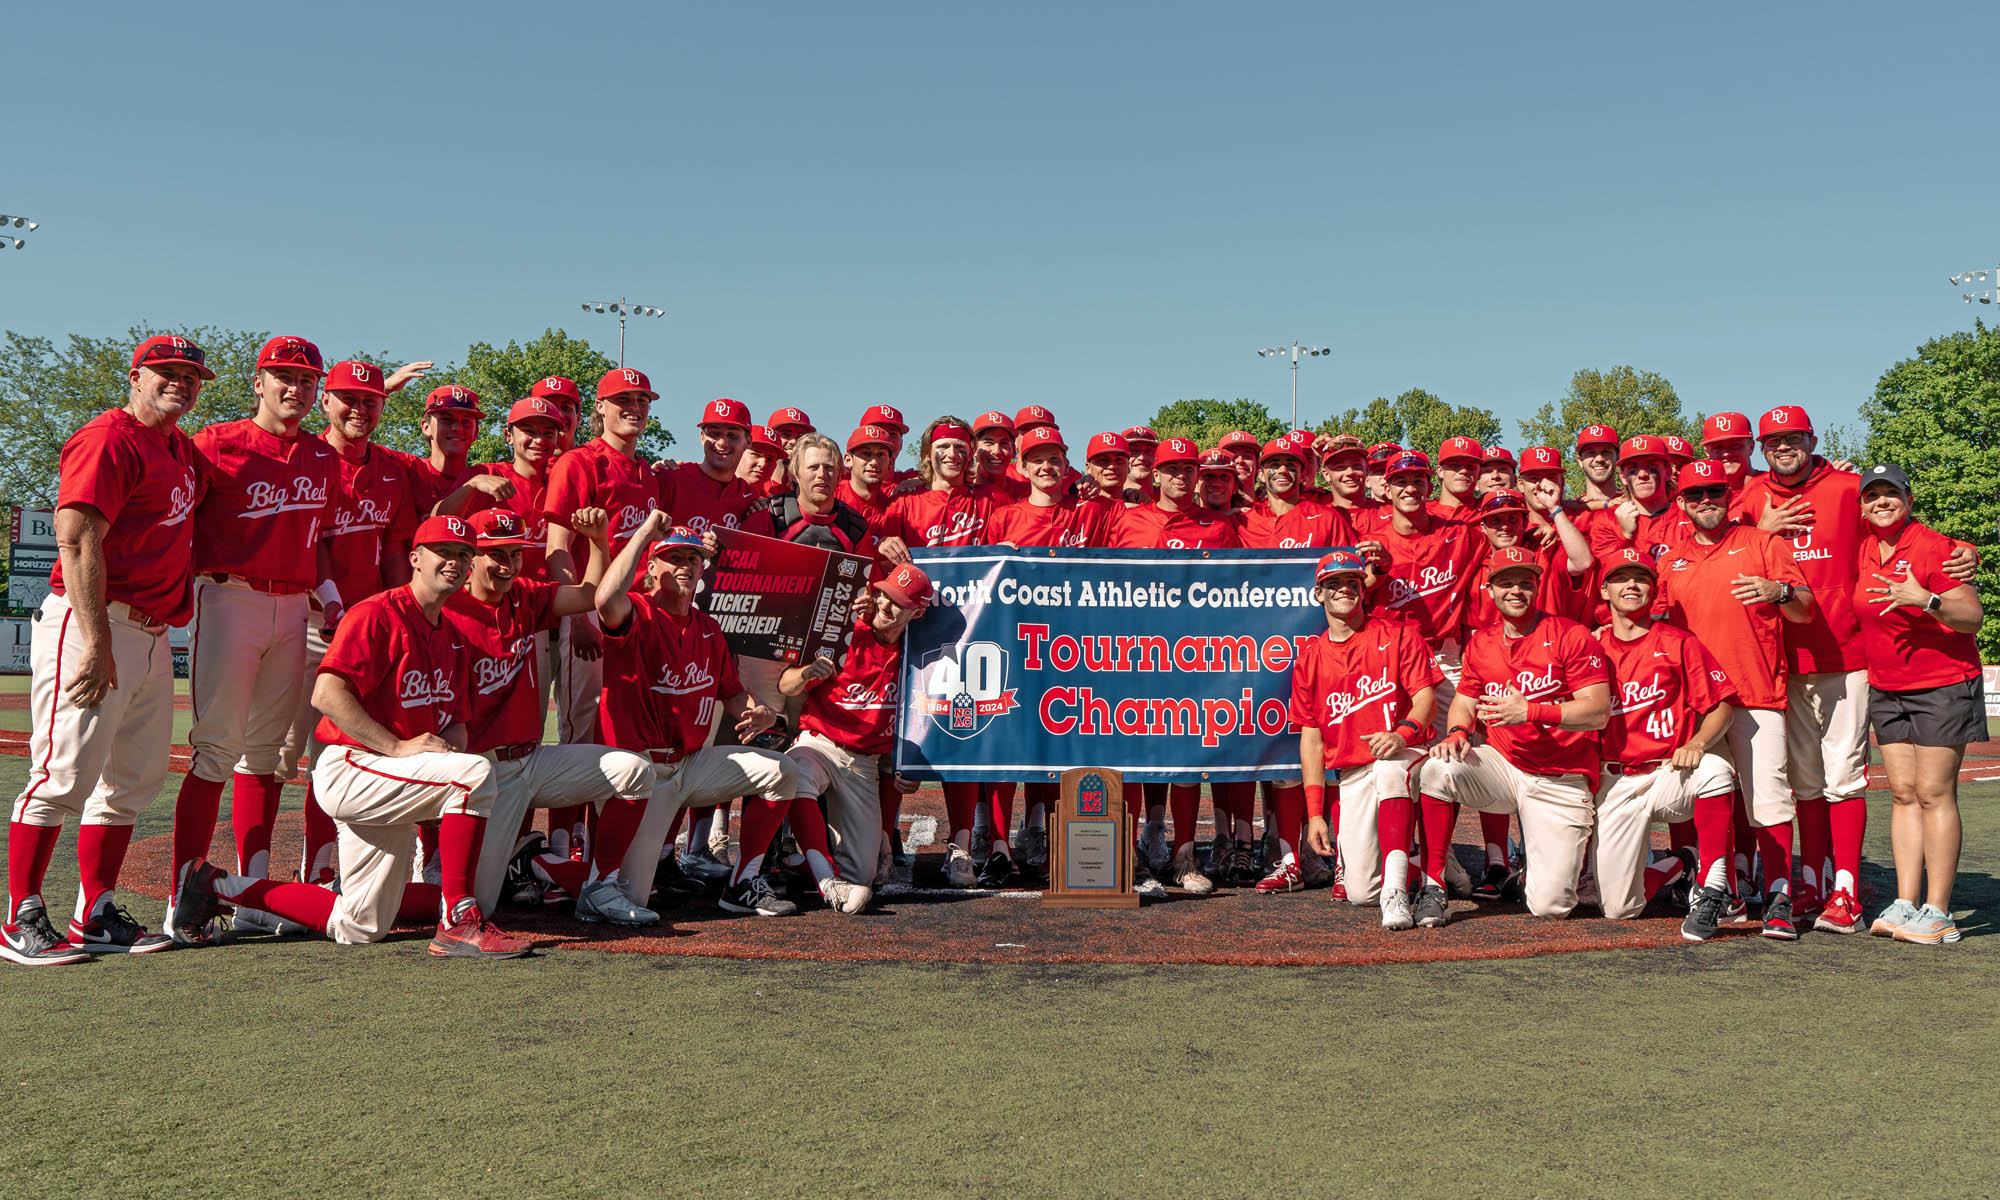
[(32, 942), (755, 896), (1432, 910), (1033, 848), (1144, 883), (1456, 877), (252, 920), (1396, 909), (844, 897), (959, 871), (605, 902), (701, 863)]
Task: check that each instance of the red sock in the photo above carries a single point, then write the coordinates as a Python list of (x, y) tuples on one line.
[(563, 871), (1662, 873), (761, 819), (616, 827), (100, 851), (1439, 818), (1395, 819), (1290, 801), (999, 800), (29, 849), (1849, 819), (1681, 835), (1815, 847), (316, 862), (1714, 821), (308, 904), (459, 835), (1135, 804), (809, 829), (194, 821), (1774, 842), (1184, 799), (960, 802), (422, 904), (253, 809), (1493, 832)]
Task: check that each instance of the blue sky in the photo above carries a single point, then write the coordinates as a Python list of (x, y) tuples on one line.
[(1098, 208)]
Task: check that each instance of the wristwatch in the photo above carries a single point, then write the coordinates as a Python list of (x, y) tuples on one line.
[(1784, 593), (1934, 603)]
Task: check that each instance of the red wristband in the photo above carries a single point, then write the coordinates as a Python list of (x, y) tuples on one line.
[(1545, 714), (1315, 799)]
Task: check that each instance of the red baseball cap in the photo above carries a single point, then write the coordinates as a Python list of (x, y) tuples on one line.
[(1596, 435), (1282, 447), (680, 537), (1725, 426), (790, 418), (992, 420), (449, 397), (1786, 418), (1341, 560), (1541, 460), (1239, 437), (1497, 454), (1407, 460), (1340, 446), (886, 416), (443, 530), (1039, 436), (290, 352), (1502, 500), (867, 435), (907, 585), (1175, 450), (1703, 472), (163, 349), (1679, 449), (1460, 447), (350, 375), (761, 436), (1106, 443), (1382, 452), (495, 527), (1626, 556), (535, 408), (1511, 559), (555, 387), (724, 411), (1031, 416), (1141, 435), (619, 381), (1643, 445), (1217, 460)]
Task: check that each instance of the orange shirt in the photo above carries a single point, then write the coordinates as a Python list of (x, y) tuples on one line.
[(1826, 555), (1695, 582)]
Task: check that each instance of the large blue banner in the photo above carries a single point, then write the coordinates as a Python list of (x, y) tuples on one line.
[(1172, 666)]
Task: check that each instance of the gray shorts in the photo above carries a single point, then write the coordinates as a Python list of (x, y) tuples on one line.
[(1952, 715)]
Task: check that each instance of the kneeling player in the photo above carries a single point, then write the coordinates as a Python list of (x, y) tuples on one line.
[(1538, 684), (1670, 702), (392, 688), (1362, 695)]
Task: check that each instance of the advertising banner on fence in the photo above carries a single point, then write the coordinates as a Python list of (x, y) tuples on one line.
[(780, 600), (1170, 668), (31, 555)]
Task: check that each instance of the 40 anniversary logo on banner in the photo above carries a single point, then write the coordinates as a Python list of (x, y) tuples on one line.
[(1167, 667)]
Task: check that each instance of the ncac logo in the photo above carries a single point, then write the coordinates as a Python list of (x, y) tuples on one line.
[(962, 689)]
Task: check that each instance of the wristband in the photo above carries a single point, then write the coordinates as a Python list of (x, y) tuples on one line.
[(1316, 800), (1545, 714), (329, 596), (1417, 732), (1459, 731)]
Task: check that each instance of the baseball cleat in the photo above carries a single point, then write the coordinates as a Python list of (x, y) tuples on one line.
[(998, 871), (1316, 872), (471, 935), (1145, 883), (1930, 927), (1704, 917), (1186, 876), (1285, 879), (1243, 866), (755, 897), (1778, 920), (605, 902), (192, 913), (1153, 848), (670, 880), (1456, 880), (1806, 904), (1432, 910), (844, 897), (1491, 882), (1034, 847), (1219, 855), (32, 942), (885, 863), (958, 869), (1396, 909), (113, 931), (698, 863), (522, 886), (1894, 917), (1840, 914)]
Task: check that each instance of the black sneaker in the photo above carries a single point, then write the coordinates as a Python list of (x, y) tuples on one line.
[(1704, 917), (1432, 911), (32, 942), (1680, 893), (115, 932), (1778, 919), (670, 880), (521, 886), (1243, 865), (998, 871), (1143, 882), (1491, 883), (754, 896)]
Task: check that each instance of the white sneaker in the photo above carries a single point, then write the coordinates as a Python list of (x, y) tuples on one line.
[(1396, 912), (844, 897), (1456, 880), (958, 869), (1185, 876)]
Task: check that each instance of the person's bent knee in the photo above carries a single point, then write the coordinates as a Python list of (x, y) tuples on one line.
[(630, 773)]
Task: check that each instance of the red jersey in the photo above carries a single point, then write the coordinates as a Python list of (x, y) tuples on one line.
[(145, 483), (875, 510), (1662, 682), (856, 709), (1066, 524), (1560, 593), (1462, 514), (1556, 659), (954, 517), (1151, 527), (428, 485), (1307, 523), (408, 673), (1349, 690), (1012, 487), (1826, 553), (1745, 638), (665, 678), (1907, 649), (376, 512), (595, 475), (505, 700), (701, 503), (268, 503), (529, 502), (1428, 574)]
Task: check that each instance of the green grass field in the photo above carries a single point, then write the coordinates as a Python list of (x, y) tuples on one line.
[(1850, 1066)]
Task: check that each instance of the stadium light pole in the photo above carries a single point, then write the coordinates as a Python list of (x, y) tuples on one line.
[(624, 308), (1294, 351), (1975, 275), (8, 240)]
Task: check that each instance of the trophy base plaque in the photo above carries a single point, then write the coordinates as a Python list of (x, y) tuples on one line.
[(1090, 843)]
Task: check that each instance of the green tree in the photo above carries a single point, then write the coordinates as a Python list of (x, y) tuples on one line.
[(1629, 400), (504, 375), (1205, 421), (1937, 416), (1417, 419)]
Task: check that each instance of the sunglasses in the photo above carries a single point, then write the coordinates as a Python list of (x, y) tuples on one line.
[(185, 352), (1714, 492), (300, 355)]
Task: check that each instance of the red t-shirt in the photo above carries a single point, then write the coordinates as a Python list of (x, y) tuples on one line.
[(875, 510), (665, 679), (594, 475), (1745, 638), (1551, 664), (701, 503), (1065, 524), (410, 675), (269, 501), (1428, 574), (1826, 553), (428, 485), (856, 709), (1150, 527), (1662, 682), (1462, 514), (1907, 649), (1307, 523), (376, 514), (1349, 690), (955, 517), (145, 483), (530, 503), (504, 683)]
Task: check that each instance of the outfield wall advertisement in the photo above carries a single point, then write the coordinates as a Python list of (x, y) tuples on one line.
[(1168, 667)]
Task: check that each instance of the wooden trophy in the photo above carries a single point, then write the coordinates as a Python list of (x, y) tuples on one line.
[(1090, 843)]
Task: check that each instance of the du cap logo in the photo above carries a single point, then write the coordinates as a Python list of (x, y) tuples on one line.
[(1722, 423), (457, 526), (457, 393), (359, 371), (630, 375), (1781, 416), (963, 688)]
